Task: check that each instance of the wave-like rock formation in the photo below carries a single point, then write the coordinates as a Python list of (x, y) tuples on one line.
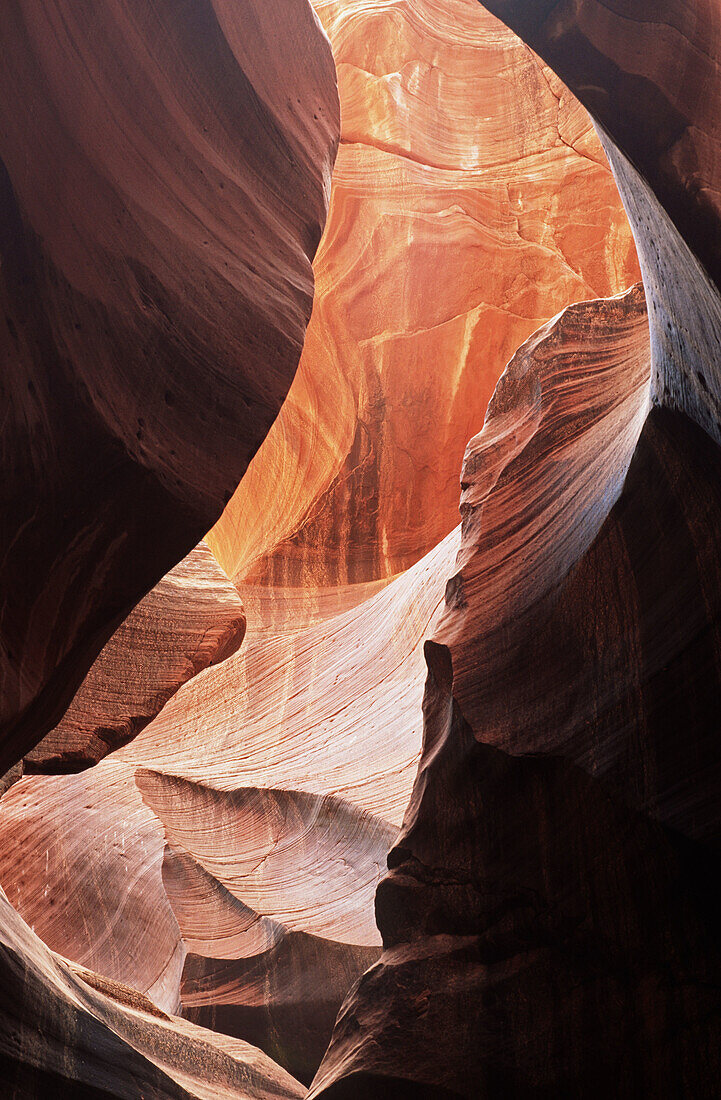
[(67, 1032), (164, 180), (471, 201), (549, 908), (556, 809), (192, 619), (332, 709), (81, 861), (246, 827)]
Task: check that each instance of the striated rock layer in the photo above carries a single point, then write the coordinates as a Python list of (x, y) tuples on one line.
[(471, 201), (164, 179), (550, 925), (546, 922), (193, 618), (548, 910), (227, 859), (66, 1032)]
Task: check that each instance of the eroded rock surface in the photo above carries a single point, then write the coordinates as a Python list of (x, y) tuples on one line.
[(240, 838), (555, 819), (556, 915), (164, 184), (193, 618), (67, 1032), (471, 201), (570, 869)]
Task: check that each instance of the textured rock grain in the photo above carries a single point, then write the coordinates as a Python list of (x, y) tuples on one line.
[(164, 184), (246, 827), (66, 1032), (193, 618), (471, 201)]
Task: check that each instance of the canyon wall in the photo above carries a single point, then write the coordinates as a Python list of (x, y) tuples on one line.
[(164, 184), (226, 860), (471, 201), (549, 921)]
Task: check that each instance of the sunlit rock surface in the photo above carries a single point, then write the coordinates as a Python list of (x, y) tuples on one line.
[(549, 922), (165, 173), (471, 201), (193, 618), (549, 899), (554, 921), (246, 827), (81, 861), (67, 1032)]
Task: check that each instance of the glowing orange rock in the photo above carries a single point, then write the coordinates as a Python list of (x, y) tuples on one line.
[(471, 201)]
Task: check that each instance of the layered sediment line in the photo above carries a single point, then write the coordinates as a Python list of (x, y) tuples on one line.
[(471, 201), (164, 182)]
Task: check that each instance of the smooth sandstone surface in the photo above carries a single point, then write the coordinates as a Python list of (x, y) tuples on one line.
[(193, 618), (554, 821), (164, 185), (226, 860), (67, 1032), (549, 922), (649, 76), (553, 922), (471, 201)]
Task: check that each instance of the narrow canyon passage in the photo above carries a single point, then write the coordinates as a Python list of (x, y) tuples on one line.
[(400, 776)]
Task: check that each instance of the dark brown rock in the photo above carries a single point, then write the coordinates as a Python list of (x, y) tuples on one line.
[(66, 1032), (550, 924), (163, 185)]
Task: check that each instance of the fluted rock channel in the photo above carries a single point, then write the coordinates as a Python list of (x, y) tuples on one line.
[(243, 850), (549, 920)]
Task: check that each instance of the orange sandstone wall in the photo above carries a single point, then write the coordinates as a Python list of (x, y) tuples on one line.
[(471, 201)]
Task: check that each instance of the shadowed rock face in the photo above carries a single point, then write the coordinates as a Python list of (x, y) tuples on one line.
[(164, 181), (67, 1032), (193, 618), (471, 201), (549, 919), (553, 920), (246, 827), (548, 906)]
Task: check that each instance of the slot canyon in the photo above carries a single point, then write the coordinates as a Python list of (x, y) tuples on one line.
[(360, 620)]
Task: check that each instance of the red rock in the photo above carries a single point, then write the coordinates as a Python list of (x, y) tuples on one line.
[(649, 75), (65, 1031), (278, 827), (164, 186), (555, 852), (193, 618), (331, 709), (471, 201), (248, 976), (556, 911), (89, 881)]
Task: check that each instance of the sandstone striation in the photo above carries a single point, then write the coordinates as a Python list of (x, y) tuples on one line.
[(81, 861), (226, 860), (164, 184), (67, 1032), (471, 201), (193, 618), (555, 860), (547, 924), (553, 920), (553, 820)]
